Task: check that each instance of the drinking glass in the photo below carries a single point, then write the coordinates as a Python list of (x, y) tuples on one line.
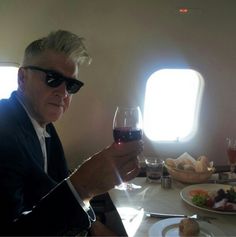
[(154, 169), (231, 152), (127, 126)]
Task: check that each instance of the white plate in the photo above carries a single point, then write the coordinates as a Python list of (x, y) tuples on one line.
[(170, 228), (209, 187)]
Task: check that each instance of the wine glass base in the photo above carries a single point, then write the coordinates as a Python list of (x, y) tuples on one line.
[(232, 172), (127, 186), (232, 175)]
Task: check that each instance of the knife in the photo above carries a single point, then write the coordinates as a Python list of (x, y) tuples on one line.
[(165, 215)]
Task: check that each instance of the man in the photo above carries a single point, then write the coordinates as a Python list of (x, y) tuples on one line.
[(37, 195)]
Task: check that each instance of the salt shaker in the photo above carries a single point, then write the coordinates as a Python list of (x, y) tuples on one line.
[(166, 182)]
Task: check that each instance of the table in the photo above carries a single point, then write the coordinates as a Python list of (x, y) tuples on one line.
[(133, 204)]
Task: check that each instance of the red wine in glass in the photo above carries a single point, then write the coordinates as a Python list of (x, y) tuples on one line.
[(126, 134), (231, 155), (231, 152)]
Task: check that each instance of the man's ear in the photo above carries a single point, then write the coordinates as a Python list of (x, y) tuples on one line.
[(21, 79)]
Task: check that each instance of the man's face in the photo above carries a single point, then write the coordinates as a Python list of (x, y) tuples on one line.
[(46, 104)]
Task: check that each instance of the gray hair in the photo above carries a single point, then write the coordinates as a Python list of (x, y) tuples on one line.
[(60, 41)]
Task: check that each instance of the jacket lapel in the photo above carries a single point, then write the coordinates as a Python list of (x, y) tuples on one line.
[(27, 131)]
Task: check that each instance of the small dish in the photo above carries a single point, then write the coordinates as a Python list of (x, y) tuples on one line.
[(170, 228)]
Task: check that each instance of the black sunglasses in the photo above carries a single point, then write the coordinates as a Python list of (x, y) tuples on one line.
[(54, 79)]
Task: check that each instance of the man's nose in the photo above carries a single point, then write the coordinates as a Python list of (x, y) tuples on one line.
[(62, 91)]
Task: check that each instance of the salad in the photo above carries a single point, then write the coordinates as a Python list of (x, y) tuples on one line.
[(222, 200)]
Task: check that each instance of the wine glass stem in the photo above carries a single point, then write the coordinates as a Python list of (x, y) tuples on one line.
[(232, 167), (141, 160)]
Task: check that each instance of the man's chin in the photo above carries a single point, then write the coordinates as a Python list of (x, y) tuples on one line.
[(55, 113), (54, 117)]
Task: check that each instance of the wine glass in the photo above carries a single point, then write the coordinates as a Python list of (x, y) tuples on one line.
[(127, 126), (231, 152)]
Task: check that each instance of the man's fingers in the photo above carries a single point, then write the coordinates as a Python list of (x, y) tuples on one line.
[(129, 169), (126, 149), (131, 175)]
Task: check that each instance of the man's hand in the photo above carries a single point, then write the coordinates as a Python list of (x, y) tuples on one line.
[(99, 229), (105, 169)]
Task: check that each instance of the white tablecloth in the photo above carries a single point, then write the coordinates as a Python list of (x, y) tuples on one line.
[(133, 204)]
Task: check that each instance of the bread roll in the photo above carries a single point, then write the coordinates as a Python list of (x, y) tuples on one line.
[(188, 227), (186, 165), (189, 167), (170, 162), (202, 164), (180, 166)]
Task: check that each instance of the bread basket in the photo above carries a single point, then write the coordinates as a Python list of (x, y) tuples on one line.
[(189, 177)]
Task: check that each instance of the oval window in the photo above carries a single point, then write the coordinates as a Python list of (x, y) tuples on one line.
[(8, 81), (172, 103)]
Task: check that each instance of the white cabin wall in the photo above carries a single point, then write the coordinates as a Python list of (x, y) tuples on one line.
[(128, 40)]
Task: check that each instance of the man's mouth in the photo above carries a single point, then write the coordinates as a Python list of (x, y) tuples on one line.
[(57, 104)]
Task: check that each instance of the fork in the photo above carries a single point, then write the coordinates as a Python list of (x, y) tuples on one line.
[(195, 216)]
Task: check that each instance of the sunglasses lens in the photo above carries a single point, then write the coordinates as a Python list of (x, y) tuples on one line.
[(73, 86), (53, 82)]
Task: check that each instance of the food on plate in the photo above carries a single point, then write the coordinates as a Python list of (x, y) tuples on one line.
[(199, 197), (188, 227), (198, 192), (222, 200)]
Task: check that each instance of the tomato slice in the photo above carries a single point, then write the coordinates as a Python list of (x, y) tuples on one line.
[(198, 192)]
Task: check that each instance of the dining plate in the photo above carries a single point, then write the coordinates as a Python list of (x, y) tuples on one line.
[(170, 228), (209, 187)]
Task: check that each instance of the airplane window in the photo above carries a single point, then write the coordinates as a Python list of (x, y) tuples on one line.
[(8, 80), (172, 103)]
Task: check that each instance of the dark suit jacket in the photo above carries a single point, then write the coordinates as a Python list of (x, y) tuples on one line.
[(24, 186)]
